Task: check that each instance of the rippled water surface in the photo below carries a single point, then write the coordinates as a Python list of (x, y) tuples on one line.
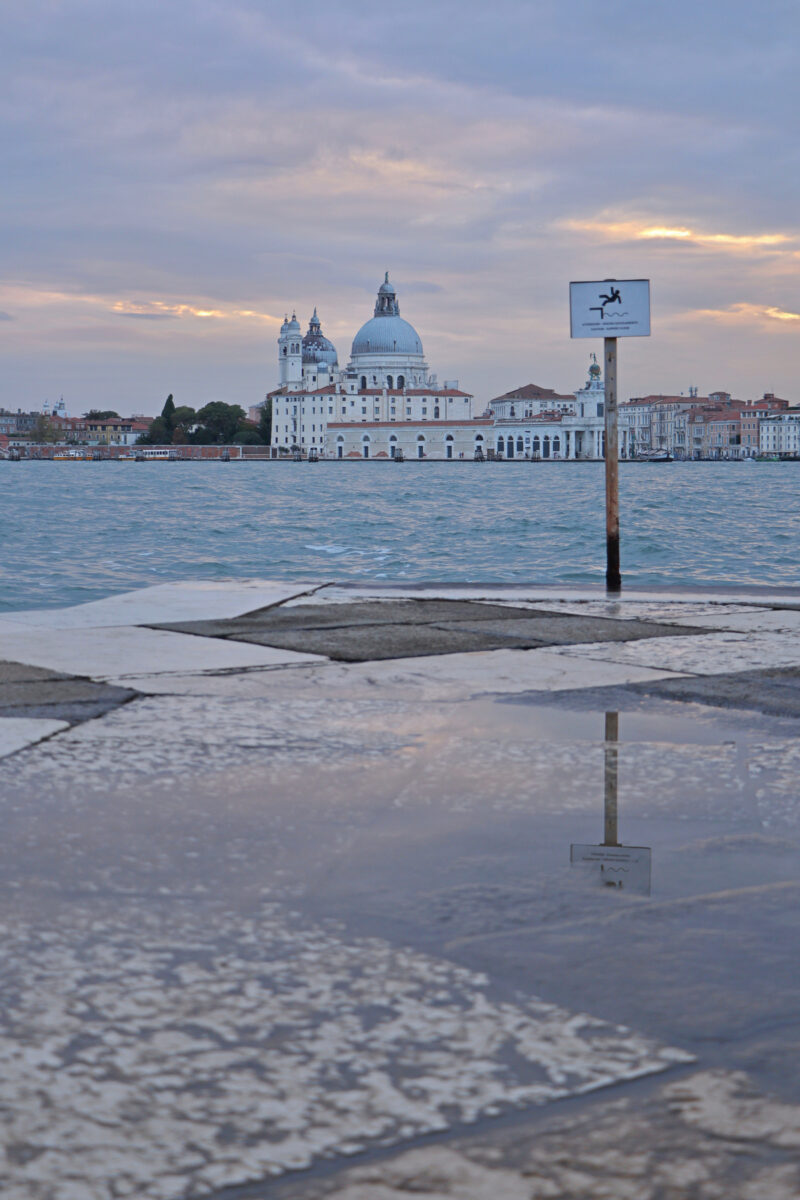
[(72, 532)]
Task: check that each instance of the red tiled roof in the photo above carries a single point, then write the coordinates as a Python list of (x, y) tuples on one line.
[(532, 391)]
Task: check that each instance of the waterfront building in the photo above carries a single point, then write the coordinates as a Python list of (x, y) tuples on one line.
[(692, 426), (412, 439), (538, 423), (780, 434), (386, 381)]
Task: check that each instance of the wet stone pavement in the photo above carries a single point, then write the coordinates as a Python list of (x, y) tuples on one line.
[(288, 908)]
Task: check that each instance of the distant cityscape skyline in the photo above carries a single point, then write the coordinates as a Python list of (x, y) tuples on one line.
[(180, 177)]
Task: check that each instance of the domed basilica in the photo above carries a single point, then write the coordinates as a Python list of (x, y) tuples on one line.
[(386, 380)]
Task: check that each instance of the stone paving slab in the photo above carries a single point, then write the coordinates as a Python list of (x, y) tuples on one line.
[(713, 1135), (15, 673), (704, 654), (18, 732), (774, 691), (214, 1059), (190, 600), (343, 615), (37, 694), (108, 652), (367, 631), (371, 643)]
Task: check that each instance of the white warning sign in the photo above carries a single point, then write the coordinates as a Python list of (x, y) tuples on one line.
[(610, 308)]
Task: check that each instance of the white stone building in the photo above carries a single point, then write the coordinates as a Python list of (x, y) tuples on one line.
[(538, 423), (412, 439), (780, 434), (386, 381)]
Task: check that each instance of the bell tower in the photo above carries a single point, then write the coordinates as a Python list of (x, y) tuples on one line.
[(290, 354)]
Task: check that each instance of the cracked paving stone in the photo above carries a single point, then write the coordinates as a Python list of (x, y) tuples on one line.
[(369, 631), (27, 691)]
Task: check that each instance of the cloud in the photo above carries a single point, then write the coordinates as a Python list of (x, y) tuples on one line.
[(743, 313), (159, 310), (4, 316), (638, 230)]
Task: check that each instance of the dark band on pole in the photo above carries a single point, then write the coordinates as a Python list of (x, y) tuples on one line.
[(613, 577)]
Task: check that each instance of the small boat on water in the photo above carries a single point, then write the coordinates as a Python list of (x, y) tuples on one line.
[(655, 456)]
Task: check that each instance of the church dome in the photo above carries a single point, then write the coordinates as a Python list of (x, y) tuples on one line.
[(316, 347), (387, 335), (387, 332)]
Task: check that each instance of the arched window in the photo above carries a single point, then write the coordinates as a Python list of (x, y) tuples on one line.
[(436, 412), (363, 383), (510, 448), (420, 445), (546, 447), (556, 445), (512, 411), (537, 445), (520, 446), (365, 445), (478, 437), (501, 446), (392, 445), (389, 382), (401, 381), (340, 446), (448, 446)]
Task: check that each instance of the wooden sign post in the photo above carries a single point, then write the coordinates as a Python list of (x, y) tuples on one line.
[(611, 308)]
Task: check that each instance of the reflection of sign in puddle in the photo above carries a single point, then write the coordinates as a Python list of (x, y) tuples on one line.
[(626, 867)]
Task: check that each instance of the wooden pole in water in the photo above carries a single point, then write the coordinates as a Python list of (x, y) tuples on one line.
[(611, 762), (613, 577)]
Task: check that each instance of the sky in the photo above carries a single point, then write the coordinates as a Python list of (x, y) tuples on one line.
[(179, 174)]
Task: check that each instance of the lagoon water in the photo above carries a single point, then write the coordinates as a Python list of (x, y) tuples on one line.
[(72, 532)]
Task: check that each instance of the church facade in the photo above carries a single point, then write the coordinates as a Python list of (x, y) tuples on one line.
[(386, 382)]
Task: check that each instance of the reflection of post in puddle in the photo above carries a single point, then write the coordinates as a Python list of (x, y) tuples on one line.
[(610, 752), (613, 865)]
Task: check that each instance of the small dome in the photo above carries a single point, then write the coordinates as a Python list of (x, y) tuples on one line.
[(294, 325), (594, 369), (316, 347)]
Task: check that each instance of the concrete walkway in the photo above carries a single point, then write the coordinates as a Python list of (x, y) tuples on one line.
[(287, 885)]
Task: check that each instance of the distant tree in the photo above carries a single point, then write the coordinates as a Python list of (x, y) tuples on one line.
[(168, 413), (248, 437), (265, 422), (43, 430), (100, 414), (158, 434), (219, 422), (183, 415)]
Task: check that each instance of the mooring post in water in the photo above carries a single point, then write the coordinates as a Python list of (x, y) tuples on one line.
[(610, 751), (613, 577)]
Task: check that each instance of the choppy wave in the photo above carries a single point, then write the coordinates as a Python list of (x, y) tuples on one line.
[(68, 536)]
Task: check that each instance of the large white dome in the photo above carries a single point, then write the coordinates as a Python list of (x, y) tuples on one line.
[(387, 334)]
